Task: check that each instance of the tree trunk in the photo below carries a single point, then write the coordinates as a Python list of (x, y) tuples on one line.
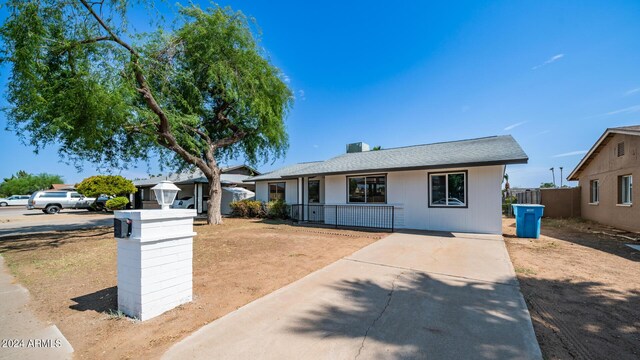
[(214, 216)]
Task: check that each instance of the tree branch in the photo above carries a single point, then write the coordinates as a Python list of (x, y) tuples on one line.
[(165, 137), (108, 30)]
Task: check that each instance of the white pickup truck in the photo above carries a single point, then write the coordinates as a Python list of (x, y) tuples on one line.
[(51, 202)]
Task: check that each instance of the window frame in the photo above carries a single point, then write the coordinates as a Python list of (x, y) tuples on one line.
[(621, 190), (595, 201), (447, 173), (365, 193), (309, 181), (269, 190)]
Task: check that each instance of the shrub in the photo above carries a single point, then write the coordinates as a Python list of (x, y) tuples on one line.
[(277, 210), (247, 208), (117, 203), (110, 185)]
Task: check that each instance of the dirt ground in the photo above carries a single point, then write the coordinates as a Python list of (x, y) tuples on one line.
[(582, 288), (71, 276)]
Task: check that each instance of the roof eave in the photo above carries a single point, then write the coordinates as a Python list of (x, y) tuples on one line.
[(573, 176), (409, 168)]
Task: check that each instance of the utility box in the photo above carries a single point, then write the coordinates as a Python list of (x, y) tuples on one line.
[(528, 220), (155, 260)]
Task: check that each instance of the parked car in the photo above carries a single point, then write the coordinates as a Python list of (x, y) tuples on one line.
[(51, 202), (186, 202), (15, 200)]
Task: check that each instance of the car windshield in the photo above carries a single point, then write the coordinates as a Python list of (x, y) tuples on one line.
[(185, 198)]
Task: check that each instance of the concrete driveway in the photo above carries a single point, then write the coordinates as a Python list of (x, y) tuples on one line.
[(408, 296)]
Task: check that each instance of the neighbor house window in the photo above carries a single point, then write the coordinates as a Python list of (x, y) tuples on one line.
[(594, 193), (277, 191), (367, 189), (314, 191), (448, 189), (620, 150), (625, 184)]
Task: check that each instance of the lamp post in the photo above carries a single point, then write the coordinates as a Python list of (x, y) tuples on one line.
[(560, 176), (155, 248), (165, 192)]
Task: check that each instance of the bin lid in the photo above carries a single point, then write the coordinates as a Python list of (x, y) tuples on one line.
[(527, 205)]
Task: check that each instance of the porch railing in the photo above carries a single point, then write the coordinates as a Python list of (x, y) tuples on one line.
[(361, 216)]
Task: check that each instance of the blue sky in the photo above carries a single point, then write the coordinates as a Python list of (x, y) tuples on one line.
[(553, 74)]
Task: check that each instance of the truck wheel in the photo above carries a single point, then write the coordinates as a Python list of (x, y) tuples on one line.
[(52, 209), (3, 204)]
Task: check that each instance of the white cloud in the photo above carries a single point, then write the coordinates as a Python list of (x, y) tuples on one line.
[(286, 78), (627, 110), (632, 91), (552, 59), (301, 95), (513, 126), (571, 153)]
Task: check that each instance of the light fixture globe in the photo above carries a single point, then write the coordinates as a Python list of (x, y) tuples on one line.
[(165, 192)]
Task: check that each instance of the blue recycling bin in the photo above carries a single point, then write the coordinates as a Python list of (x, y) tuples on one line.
[(528, 220)]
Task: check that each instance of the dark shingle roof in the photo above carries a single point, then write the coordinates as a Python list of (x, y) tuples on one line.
[(283, 172), (492, 150), (473, 152)]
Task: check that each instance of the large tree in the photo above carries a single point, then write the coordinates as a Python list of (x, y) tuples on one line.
[(24, 183), (193, 95)]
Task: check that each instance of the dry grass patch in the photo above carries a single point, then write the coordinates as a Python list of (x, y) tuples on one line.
[(582, 288), (72, 279)]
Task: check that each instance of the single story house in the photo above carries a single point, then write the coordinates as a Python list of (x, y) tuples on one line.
[(605, 176), (447, 186), (65, 187), (195, 185)]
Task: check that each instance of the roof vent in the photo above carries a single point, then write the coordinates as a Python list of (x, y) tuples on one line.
[(357, 147)]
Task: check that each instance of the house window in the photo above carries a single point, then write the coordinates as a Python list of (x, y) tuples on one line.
[(620, 149), (314, 191), (277, 191), (448, 189), (625, 193), (367, 189), (594, 193)]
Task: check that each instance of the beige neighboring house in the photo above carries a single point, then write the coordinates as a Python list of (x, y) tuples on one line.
[(606, 175)]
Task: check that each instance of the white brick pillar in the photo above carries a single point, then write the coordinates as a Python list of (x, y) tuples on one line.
[(155, 263)]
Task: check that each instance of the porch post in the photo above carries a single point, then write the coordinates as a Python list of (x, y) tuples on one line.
[(198, 197)]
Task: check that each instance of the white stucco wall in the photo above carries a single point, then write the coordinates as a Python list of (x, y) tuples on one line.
[(407, 191)]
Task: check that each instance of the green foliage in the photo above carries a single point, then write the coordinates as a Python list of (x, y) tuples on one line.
[(110, 185), (376, 148), (24, 183), (506, 205), (74, 83), (547, 185), (117, 203), (247, 208), (277, 209)]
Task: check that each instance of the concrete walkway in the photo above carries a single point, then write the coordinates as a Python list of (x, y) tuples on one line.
[(408, 296), (23, 335)]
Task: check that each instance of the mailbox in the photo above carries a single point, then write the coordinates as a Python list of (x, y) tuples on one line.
[(122, 228)]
